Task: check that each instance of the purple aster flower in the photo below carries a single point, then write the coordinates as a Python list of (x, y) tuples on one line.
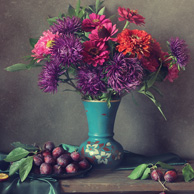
[(90, 81), (179, 51), (66, 25), (124, 74), (49, 77), (67, 50)]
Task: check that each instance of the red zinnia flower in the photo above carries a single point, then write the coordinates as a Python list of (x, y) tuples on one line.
[(131, 16), (134, 42), (172, 70), (152, 63), (94, 20), (95, 53)]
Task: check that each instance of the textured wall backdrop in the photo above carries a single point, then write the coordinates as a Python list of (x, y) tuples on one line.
[(28, 115)]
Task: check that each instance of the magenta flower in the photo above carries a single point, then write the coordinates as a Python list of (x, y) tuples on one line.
[(43, 47), (104, 32), (172, 73), (90, 81), (94, 20), (95, 53), (131, 16), (49, 77), (172, 70), (124, 74), (179, 51)]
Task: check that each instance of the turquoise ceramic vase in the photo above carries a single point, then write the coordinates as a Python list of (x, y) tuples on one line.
[(100, 148)]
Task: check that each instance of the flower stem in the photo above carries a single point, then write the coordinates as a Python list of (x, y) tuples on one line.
[(70, 82), (126, 24)]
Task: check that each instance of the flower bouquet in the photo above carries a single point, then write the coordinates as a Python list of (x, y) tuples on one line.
[(85, 50)]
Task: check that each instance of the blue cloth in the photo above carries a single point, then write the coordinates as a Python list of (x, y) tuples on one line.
[(132, 160)]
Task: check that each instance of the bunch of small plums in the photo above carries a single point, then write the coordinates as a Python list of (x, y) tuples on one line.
[(56, 160), (168, 176)]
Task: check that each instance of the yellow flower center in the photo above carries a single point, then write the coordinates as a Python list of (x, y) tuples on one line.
[(96, 20), (50, 43)]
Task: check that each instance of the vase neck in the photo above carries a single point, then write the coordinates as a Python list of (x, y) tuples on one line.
[(100, 118)]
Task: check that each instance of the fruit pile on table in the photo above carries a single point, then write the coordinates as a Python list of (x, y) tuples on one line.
[(46, 160), (56, 160)]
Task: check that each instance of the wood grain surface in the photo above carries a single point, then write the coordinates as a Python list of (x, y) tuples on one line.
[(104, 181)]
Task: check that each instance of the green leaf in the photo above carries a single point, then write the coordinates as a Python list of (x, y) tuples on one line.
[(25, 146), (101, 2), (17, 67), (53, 20), (61, 15), (146, 173), (97, 5), (33, 41), (164, 165), (81, 13), (150, 82), (77, 8), (108, 102), (72, 71), (87, 34), (69, 148), (16, 154), (152, 98), (138, 171), (101, 11), (157, 90), (25, 168), (91, 9), (15, 166), (71, 11), (90, 98), (188, 173)]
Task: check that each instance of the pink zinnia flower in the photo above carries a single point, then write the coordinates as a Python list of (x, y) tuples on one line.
[(172, 70), (131, 16), (104, 32), (95, 53), (42, 47), (94, 20)]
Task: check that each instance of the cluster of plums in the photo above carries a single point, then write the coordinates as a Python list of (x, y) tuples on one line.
[(168, 176), (56, 160)]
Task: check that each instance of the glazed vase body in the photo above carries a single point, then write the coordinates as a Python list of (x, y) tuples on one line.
[(100, 148)]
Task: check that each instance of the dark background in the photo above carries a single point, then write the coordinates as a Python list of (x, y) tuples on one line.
[(30, 116)]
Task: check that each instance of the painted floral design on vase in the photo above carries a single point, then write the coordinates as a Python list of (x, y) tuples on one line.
[(101, 149)]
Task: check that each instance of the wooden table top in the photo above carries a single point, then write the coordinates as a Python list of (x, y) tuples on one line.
[(103, 181)]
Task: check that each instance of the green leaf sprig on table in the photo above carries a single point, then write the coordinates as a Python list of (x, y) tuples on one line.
[(21, 159), (188, 172), (143, 171)]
